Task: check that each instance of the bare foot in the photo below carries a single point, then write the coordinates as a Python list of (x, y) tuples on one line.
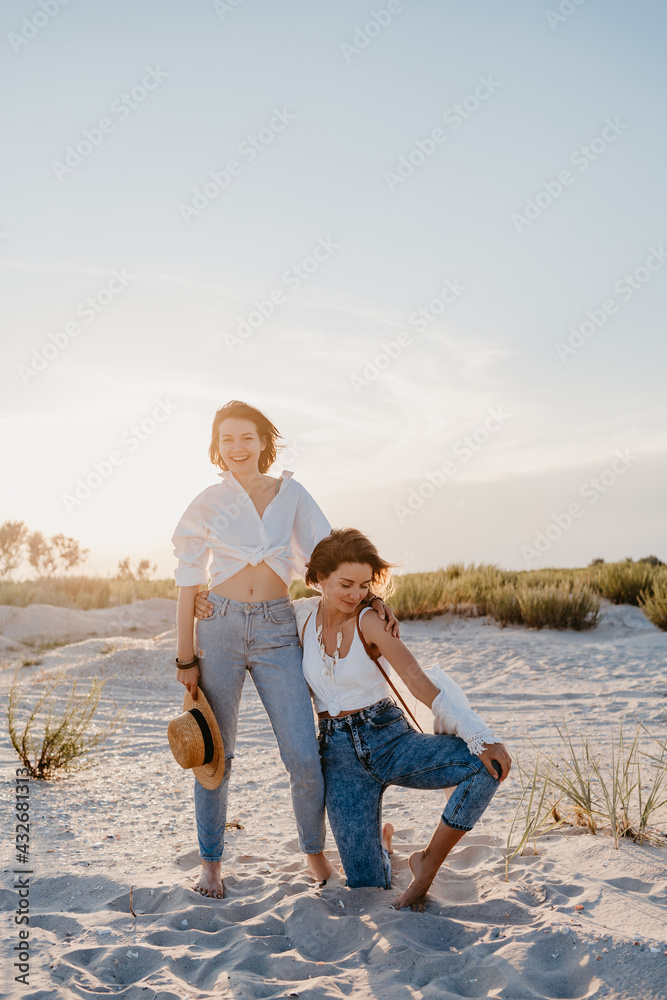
[(209, 882), (320, 866), (387, 834), (422, 877)]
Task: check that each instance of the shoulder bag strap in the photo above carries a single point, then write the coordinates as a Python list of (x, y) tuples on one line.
[(305, 626), (376, 660)]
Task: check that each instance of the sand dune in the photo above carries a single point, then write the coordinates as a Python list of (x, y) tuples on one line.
[(129, 822), (41, 624)]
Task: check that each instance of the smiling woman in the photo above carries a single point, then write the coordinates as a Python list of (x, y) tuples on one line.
[(258, 532)]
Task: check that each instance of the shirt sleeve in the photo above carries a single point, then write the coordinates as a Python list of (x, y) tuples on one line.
[(310, 527), (191, 548)]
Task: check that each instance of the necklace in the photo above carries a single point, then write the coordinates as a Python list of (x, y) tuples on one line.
[(330, 661)]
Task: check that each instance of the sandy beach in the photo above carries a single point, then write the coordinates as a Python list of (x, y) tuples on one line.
[(580, 919)]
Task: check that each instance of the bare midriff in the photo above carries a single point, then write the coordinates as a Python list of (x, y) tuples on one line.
[(253, 583)]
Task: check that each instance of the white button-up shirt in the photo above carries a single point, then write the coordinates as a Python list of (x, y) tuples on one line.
[(222, 525)]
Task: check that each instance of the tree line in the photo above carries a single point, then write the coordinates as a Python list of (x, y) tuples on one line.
[(55, 555)]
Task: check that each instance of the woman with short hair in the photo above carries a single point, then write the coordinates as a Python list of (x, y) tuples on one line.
[(258, 532), (366, 743)]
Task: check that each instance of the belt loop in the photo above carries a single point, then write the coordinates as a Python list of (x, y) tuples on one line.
[(266, 611), (225, 602)]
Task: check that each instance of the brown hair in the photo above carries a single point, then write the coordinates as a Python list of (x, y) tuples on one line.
[(265, 429), (348, 545)]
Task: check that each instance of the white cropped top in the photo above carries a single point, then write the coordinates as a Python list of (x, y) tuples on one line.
[(356, 682), (222, 525)]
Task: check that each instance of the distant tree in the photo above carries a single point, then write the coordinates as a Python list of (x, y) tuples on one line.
[(40, 554), (142, 572), (651, 561), (13, 537), (596, 562), (144, 569), (68, 551), (48, 555), (124, 570)]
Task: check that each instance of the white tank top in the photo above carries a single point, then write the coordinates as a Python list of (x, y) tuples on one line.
[(356, 682)]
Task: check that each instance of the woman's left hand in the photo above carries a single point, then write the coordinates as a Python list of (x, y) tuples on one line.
[(384, 611), (496, 752)]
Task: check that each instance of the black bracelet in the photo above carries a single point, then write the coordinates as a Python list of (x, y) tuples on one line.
[(191, 663)]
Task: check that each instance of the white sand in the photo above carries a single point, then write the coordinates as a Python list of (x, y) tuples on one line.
[(130, 822)]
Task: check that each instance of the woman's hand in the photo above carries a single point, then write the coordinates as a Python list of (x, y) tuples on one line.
[(203, 608), (496, 752), (190, 679), (384, 611)]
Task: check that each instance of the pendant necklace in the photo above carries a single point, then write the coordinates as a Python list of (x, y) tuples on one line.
[(330, 661)]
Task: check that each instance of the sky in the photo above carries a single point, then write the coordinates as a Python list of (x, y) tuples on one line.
[(425, 238)]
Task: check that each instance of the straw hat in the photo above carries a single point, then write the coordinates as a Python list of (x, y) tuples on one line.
[(195, 740)]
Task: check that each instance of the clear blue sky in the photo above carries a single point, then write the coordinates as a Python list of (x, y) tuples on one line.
[(483, 107)]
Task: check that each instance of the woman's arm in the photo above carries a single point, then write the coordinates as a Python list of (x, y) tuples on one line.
[(422, 687), (185, 641), (401, 659)]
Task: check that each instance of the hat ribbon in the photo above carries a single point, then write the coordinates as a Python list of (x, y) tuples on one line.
[(206, 734)]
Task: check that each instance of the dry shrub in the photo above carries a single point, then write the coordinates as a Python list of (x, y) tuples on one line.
[(52, 736)]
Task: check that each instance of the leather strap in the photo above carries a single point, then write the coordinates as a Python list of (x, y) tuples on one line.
[(376, 660)]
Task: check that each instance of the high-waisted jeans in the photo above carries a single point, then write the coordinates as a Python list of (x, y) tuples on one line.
[(262, 639), (364, 753)]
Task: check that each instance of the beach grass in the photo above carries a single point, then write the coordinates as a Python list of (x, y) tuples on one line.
[(557, 598), (84, 592), (654, 603)]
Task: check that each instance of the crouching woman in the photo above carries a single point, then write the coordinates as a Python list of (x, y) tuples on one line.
[(366, 742)]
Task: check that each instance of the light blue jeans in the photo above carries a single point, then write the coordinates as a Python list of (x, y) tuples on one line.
[(364, 753), (262, 639)]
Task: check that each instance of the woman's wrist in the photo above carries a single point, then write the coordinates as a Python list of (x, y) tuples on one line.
[(183, 663)]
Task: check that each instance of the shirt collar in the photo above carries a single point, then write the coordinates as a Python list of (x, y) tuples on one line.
[(229, 477)]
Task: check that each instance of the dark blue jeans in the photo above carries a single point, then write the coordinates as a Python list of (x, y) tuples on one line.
[(362, 754)]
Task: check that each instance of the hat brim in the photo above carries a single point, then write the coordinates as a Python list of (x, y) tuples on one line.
[(208, 775)]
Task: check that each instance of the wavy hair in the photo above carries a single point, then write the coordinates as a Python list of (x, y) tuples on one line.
[(265, 429)]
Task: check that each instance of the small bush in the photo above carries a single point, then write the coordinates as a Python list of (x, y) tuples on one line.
[(559, 607), (654, 606), (419, 595), (504, 606), (609, 785), (49, 742), (624, 582)]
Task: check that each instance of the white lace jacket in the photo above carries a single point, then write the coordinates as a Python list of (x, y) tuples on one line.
[(453, 714)]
